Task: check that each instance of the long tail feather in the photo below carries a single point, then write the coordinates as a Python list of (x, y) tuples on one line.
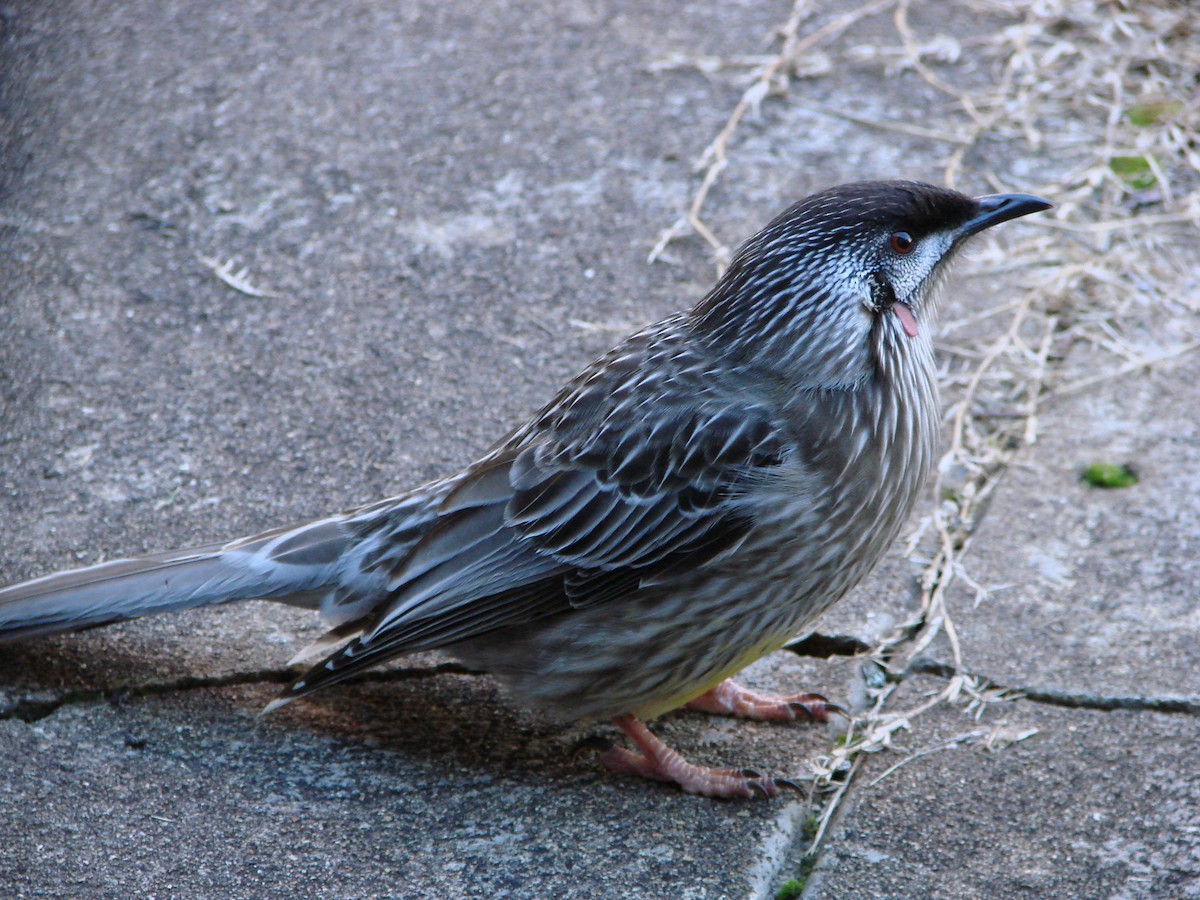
[(300, 566)]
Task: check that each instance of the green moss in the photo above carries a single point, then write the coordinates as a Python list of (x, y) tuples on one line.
[(794, 887), (808, 830), (1109, 475)]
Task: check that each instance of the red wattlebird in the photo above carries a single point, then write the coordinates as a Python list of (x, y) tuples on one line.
[(687, 504)]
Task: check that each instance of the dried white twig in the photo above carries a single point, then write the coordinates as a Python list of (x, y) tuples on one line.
[(713, 160), (238, 280)]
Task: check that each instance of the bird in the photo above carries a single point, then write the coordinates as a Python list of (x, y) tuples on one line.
[(687, 504)]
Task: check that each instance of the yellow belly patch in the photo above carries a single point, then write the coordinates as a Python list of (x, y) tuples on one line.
[(690, 692)]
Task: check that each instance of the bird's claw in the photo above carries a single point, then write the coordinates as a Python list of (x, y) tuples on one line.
[(768, 787), (818, 708), (838, 710), (798, 707)]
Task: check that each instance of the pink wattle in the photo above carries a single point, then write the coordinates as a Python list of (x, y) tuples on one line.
[(907, 321)]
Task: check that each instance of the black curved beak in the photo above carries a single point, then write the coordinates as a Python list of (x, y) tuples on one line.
[(996, 208)]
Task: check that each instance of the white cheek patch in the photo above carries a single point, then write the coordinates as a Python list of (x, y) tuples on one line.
[(913, 270)]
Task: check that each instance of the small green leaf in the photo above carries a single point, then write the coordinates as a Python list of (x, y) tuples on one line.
[(1143, 115), (1109, 475), (791, 889), (1135, 171)]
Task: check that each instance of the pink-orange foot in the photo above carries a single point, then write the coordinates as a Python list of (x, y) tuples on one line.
[(655, 760), (731, 699)]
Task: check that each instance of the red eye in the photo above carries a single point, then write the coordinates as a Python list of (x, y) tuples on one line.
[(901, 242)]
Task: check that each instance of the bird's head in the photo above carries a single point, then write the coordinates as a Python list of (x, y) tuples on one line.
[(846, 275)]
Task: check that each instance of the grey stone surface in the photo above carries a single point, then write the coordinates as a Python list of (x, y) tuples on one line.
[(1095, 590), (448, 207), (415, 789), (1096, 804)]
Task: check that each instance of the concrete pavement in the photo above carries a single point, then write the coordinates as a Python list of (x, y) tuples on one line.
[(443, 210)]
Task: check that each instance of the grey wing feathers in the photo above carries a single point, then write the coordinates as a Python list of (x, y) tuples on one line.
[(642, 503), (565, 522)]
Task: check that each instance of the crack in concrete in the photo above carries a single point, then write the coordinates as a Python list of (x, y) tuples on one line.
[(824, 646), (33, 709), (815, 645), (1055, 697)]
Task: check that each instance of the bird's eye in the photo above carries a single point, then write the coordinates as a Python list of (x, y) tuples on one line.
[(901, 242)]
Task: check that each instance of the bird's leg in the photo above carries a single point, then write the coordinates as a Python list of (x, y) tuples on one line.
[(731, 699), (655, 760)]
